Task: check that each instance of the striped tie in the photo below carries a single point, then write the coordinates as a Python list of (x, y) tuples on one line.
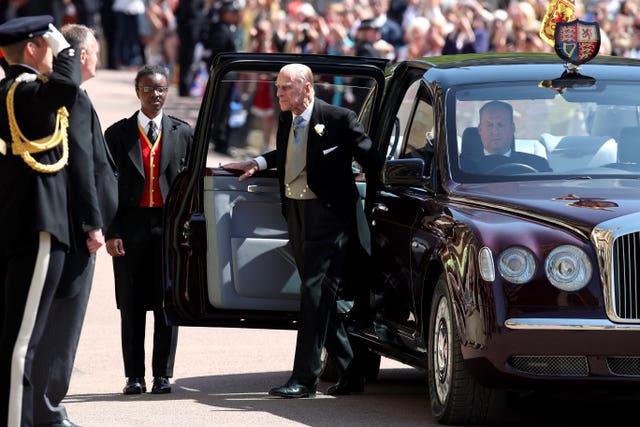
[(152, 133)]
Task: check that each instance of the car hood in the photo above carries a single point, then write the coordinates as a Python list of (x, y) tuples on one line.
[(586, 202)]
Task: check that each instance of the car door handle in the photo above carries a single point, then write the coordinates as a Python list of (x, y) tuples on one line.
[(262, 189), (380, 207)]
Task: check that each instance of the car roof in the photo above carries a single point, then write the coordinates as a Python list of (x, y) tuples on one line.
[(453, 70)]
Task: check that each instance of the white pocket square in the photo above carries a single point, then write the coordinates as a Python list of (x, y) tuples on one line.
[(328, 150)]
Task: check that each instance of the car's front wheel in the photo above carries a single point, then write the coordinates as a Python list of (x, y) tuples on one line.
[(456, 397)]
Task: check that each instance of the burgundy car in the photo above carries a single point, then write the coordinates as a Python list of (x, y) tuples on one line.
[(491, 280)]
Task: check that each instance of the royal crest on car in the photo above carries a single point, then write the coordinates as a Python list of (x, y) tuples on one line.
[(577, 41)]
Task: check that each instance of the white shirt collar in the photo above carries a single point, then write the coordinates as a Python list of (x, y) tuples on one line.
[(143, 120), (507, 154), (306, 114)]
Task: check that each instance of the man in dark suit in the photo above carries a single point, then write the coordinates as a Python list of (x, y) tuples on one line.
[(34, 221), (94, 200), (149, 149), (496, 130), (315, 147)]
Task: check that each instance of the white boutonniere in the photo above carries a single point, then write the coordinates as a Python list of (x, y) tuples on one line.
[(319, 129)]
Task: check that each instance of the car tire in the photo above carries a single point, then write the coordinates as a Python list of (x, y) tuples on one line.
[(331, 370), (456, 396)]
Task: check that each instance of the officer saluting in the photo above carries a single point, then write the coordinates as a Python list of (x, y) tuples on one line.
[(34, 222)]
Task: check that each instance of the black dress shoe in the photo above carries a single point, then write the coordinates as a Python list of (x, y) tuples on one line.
[(293, 389), (161, 385), (135, 385), (346, 385)]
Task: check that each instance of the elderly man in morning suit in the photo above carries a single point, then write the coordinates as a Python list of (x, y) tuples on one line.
[(315, 147)]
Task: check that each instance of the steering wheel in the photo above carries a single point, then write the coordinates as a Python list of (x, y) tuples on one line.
[(512, 169)]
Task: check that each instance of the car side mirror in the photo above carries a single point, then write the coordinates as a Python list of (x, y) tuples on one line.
[(408, 172)]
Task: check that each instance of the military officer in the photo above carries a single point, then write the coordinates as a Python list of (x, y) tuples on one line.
[(34, 221)]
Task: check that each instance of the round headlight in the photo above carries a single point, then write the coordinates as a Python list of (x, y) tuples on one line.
[(568, 268), (517, 264)]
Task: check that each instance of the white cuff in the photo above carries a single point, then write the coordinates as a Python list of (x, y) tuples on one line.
[(262, 163)]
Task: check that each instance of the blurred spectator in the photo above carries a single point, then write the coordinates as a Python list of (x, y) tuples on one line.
[(263, 106), (189, 19), (129, 50), (412, 9), (55, 8), (218, 36), (436, 35), (162, 41), (501, 33), (416, 37), (218, 31), (86, 11), (390, 30), (108, 33), (308, 30), (282, 37), (470, 33)]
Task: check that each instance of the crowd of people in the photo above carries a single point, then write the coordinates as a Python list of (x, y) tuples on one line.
[(183, 34)]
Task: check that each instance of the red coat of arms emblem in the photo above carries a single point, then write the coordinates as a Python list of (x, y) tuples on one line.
[(577, 41)]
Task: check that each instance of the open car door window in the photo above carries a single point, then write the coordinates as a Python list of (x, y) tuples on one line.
[(227, 260)]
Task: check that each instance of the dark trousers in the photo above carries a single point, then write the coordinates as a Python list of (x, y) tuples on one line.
[(31, 272), (53, 363), (319, 242), (165, 339), (139, 289)]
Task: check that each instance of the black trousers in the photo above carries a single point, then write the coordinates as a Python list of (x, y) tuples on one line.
[(319, 241), (165, 339), (138, 277), (30, 273), (53, 363)]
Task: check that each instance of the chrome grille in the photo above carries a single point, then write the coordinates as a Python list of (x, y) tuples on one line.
[(626, 272), (558, 366), (624, 366)]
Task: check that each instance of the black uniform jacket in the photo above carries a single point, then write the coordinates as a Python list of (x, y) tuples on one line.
[(335, 138), (31, 201), (124, 142)]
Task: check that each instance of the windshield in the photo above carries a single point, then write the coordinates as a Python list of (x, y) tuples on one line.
[(534, 131)]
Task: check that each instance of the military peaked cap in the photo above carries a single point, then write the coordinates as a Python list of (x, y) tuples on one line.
[(24, 28)]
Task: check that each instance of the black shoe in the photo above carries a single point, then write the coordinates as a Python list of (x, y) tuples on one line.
[(293, 389), (135, 385), (64, 423), (161, 385), (346, 385)]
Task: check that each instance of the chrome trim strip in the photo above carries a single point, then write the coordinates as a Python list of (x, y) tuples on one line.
[(568, 324)]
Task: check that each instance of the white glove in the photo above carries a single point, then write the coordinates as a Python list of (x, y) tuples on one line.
[(55, 40)]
